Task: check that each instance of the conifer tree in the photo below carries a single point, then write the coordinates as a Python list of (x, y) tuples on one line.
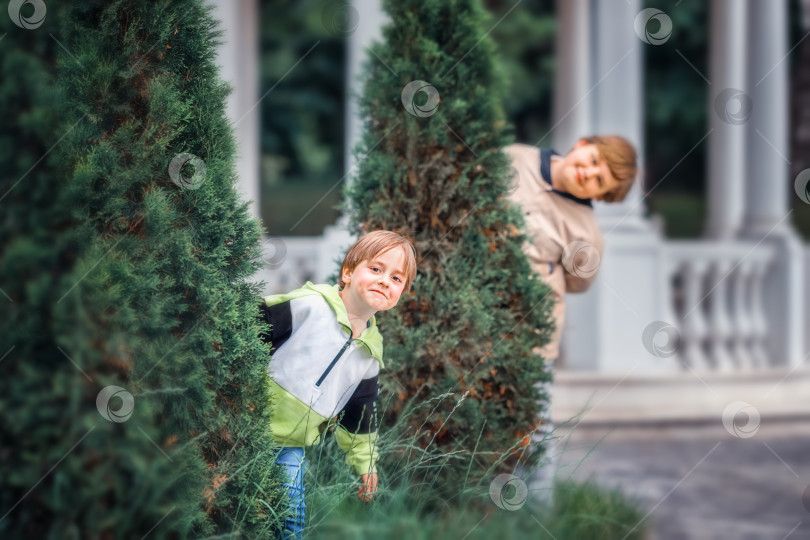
[(431, 168), (133, 384)]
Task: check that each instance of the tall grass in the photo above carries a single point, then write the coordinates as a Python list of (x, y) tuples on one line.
[(416, 500)]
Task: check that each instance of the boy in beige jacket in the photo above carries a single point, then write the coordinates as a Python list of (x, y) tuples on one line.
[(565, 246), (554, 193)]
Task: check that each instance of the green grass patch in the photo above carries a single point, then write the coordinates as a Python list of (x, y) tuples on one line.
[(416, 498), (582, 511)]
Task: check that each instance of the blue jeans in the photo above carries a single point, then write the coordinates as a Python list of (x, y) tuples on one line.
[(292, 460)]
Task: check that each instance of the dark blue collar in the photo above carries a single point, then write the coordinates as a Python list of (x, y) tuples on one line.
[(545, 172)]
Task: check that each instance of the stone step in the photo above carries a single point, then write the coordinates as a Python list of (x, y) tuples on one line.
[(738, 401)]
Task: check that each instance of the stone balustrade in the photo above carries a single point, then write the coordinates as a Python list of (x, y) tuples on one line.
[(718, 306)]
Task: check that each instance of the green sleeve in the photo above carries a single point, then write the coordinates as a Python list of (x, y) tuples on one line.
[(361, 449)]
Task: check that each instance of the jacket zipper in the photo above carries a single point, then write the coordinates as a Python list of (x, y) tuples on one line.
[(333, 362)]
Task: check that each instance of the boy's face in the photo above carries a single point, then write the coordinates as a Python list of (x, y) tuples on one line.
[(377, 283), (585, 174)]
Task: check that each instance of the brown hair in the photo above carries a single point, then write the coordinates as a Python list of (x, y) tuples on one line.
[(620, 157), (374, 243)]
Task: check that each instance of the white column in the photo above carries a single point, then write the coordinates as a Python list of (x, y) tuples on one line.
[(617, 83), (768, 183), (370, 20), (729, 106), (768, 148), (238, 61), (572, 100), (599, 91)]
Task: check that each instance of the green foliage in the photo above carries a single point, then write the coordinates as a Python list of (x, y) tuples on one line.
[(468, 327), (683, 213), (303, 62), (302, 118), (300, 208), (303, 131), (588, 511), (394, 518), (112, 274), (407, 504), (676, 101), (524, 33)]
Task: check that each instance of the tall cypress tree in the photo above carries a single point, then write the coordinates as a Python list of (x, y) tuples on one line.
[(431, 168), (133, 383)]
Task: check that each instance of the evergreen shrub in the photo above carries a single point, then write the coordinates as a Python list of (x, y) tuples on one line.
[(461, 346), (133, 390)]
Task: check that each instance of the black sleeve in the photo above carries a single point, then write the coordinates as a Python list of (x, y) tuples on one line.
[(359, 416), (279, 317)]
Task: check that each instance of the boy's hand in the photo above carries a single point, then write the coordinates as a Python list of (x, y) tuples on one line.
[(368, 486)]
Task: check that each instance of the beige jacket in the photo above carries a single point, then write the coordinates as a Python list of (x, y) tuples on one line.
[(554, 221)]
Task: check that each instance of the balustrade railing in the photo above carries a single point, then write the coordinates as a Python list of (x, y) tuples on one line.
[(716, 290), (717, 307)]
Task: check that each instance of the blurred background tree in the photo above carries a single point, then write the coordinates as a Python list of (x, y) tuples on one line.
[(303, 118), (800, 107)]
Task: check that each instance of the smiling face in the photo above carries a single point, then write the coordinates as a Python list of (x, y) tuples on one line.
[(584, 173), (375, 284)]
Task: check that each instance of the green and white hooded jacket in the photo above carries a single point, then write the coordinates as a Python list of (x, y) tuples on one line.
[(318, 372)]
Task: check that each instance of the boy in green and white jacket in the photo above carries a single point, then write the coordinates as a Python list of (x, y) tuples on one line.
[(327, 357)]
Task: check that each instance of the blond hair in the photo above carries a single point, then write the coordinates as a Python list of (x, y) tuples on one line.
[(620, 157), (375, 243)]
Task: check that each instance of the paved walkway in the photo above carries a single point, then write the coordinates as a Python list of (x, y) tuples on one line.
[(705, 487)]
